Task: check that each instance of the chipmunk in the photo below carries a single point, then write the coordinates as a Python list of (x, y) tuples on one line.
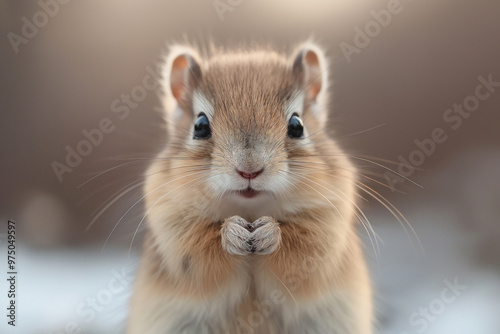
[(251, 206)]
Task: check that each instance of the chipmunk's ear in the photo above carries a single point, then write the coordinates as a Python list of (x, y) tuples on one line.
[(181, 73), (310, 69)]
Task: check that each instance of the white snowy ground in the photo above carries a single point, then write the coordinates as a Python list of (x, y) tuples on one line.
[(61, 289)]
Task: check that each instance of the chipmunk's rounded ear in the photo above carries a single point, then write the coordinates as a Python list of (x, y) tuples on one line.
[(181, 72), (309, 67)]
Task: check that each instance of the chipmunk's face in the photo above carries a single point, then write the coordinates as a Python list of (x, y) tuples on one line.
[(249, 143), (247, 118)]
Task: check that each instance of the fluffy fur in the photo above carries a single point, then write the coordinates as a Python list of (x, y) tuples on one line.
[(285, 261)]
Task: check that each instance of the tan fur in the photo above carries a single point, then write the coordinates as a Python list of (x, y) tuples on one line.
[(315, 279)]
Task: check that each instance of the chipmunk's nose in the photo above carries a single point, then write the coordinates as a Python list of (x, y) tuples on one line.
[(249, 175)]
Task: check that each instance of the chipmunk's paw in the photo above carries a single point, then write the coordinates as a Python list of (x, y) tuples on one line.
[(236, 235), (265, 235)]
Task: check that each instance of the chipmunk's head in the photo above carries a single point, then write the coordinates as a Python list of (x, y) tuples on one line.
[(249, 122)]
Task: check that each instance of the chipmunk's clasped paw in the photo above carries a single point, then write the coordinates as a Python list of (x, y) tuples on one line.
[(239, 237), (235, 234), (266, 235)]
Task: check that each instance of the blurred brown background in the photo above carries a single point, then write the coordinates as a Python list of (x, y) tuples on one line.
[(65, 79)]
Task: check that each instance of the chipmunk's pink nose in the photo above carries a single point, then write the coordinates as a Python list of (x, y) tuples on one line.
[(249, 175)]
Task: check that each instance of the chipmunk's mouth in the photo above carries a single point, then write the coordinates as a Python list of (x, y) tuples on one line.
[(249, 193)]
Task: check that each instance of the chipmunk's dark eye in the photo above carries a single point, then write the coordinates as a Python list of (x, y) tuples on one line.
[(202, 128), (295, 127)]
